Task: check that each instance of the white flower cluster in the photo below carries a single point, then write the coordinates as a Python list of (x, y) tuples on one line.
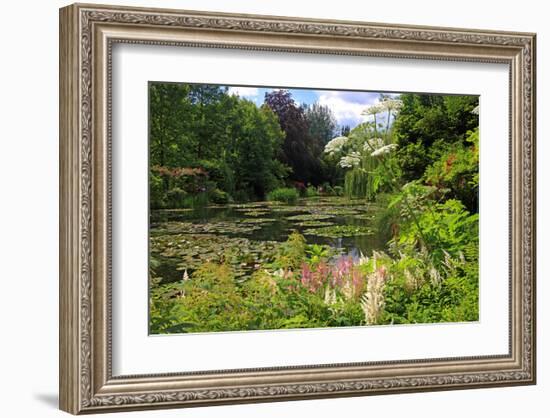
[(374, 109), (335, 145), (350, 160), (386, 149), (393, 105), (373, 144), (385, 105), (475, 110)]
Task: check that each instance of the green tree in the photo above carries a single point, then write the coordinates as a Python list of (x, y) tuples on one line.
[(298, 147), (169, 132), (321, 125), (256, 145), (204, 141), (429, 123)]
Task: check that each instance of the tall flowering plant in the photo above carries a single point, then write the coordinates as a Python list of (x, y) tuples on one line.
[(364, 152), (342, 278), (349, 280)]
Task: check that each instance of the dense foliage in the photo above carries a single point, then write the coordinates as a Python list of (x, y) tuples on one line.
[(408, 173), (205, 141), (427, 125)]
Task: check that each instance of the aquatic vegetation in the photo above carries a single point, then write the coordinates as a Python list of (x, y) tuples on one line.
[(247, 206), (219, 227), (339, 231), (180, 210), (312, 224), (193, 250), (309, 217), (336, 211), (258, 220), (288, 209), (256, 212)]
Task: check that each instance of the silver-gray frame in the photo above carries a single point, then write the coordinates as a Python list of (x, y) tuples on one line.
[(87, 34)]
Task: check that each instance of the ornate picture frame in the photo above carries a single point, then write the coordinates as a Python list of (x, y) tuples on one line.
[(87, 35)]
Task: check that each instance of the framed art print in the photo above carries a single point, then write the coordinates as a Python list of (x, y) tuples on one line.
[(259, 208)]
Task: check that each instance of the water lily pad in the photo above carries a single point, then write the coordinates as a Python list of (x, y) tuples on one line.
[(339, 231), (258, 220), (220, 227), (311, 224), (309, 217), (247, 206), (193, 250), (255, 212), (336, 211), (174, 210), (364, 216), (289, 209)]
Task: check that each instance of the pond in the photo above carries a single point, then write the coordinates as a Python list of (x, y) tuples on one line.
[(247, 235)]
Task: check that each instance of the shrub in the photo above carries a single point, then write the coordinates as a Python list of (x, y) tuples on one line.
[(327, 190), (286, 195), (212, 302), (218, 196), (457, 171), (196, 201), (443, 228), (157, 196), (311, 192), (219, 173), (241, 196), (292, 253), (176, 197), (338, 190)]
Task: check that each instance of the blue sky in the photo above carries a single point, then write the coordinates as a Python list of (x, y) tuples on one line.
[(346, 105)]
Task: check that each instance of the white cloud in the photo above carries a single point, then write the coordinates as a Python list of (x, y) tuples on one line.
[(346, 112), (347, 106), (244, 91)]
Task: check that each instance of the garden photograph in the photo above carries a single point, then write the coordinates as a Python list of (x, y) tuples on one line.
[(277, 208)]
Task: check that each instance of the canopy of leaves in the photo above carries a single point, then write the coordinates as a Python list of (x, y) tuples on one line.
[(230, 139), (427, 124), (299, 148)]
